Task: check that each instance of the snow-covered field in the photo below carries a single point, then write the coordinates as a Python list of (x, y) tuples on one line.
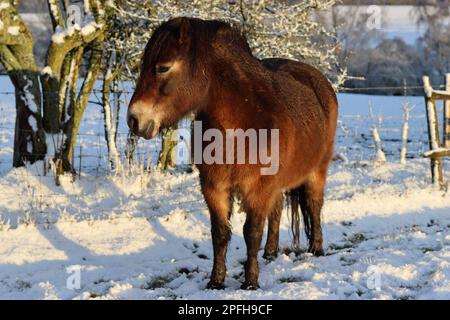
[(145, 235)]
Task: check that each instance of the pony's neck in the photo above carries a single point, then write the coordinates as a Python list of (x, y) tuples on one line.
[(235, 94), (238, 83)]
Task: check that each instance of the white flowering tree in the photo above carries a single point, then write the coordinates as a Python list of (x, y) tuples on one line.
[(273, 28)]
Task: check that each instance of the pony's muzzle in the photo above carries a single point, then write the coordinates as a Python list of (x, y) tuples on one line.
[(144, 129)]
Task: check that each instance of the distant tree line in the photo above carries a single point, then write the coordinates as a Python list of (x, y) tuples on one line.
[(391, 62)]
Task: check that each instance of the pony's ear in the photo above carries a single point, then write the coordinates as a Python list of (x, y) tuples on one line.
[(185, 32)]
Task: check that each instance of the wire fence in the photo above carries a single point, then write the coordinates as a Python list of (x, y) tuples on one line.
[(40, 198), (354, 139), (387, 89)]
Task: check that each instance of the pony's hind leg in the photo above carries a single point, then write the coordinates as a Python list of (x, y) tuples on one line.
[(311, 201), (257, 206), (273, 230), (219, 205), (253, 231)]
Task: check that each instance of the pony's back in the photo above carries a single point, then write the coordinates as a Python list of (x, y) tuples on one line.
[(309, 76)]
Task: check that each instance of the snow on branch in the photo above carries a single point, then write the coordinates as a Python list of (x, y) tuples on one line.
[(12, 29), (273, 28), (55, 13), (77, 34)]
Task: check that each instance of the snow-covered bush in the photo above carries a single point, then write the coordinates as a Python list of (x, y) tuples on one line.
[(273, 28)]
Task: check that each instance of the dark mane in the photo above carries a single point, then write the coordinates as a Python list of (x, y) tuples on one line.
[(203, 33)]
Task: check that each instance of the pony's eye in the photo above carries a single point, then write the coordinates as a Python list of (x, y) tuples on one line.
[(162, 69)]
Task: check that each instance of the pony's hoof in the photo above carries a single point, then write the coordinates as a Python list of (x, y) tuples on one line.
[(270, 256), (250, 286), (215, 286)]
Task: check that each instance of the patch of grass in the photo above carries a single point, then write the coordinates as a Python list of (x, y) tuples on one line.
[(291, 279), (101, 280), (171, 296), (347, 261), (357, 238), (359, 292), (288, 250), (351, 242), (431, 223), (334, 246), (157, 282), (347, 223), (238, 276), (202, 256), (429, 249), (187, 271), (22, 285)]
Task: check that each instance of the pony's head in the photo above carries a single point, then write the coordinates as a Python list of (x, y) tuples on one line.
[(173, 80), (177, 72)]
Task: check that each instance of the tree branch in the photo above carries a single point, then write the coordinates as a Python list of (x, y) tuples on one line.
[(54, 7), (13, 30)]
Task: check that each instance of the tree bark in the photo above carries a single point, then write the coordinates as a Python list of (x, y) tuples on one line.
[(110, 115), (77, 108), (16, 55)]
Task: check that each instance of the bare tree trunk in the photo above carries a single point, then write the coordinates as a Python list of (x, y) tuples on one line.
[(29, 138), (63, 111), (110, 115), (77, 108), (16, 55), (116, 94)]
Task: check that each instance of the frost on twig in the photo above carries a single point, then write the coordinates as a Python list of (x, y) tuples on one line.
[(405, 128), (380, 156)]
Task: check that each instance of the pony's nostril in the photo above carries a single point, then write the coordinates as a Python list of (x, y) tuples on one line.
[(133, 123)]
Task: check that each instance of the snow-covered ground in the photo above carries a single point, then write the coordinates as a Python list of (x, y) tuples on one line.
[(145, 235)]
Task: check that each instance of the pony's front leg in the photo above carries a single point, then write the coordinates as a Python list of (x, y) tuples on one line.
[(219, 204)]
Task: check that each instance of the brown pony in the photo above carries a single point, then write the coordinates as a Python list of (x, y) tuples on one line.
[(206, 67)]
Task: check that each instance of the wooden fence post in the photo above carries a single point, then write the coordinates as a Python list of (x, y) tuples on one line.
[(446, 131), (433, 133)]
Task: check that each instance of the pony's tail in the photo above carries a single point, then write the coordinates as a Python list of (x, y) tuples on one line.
[(297, 200)]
